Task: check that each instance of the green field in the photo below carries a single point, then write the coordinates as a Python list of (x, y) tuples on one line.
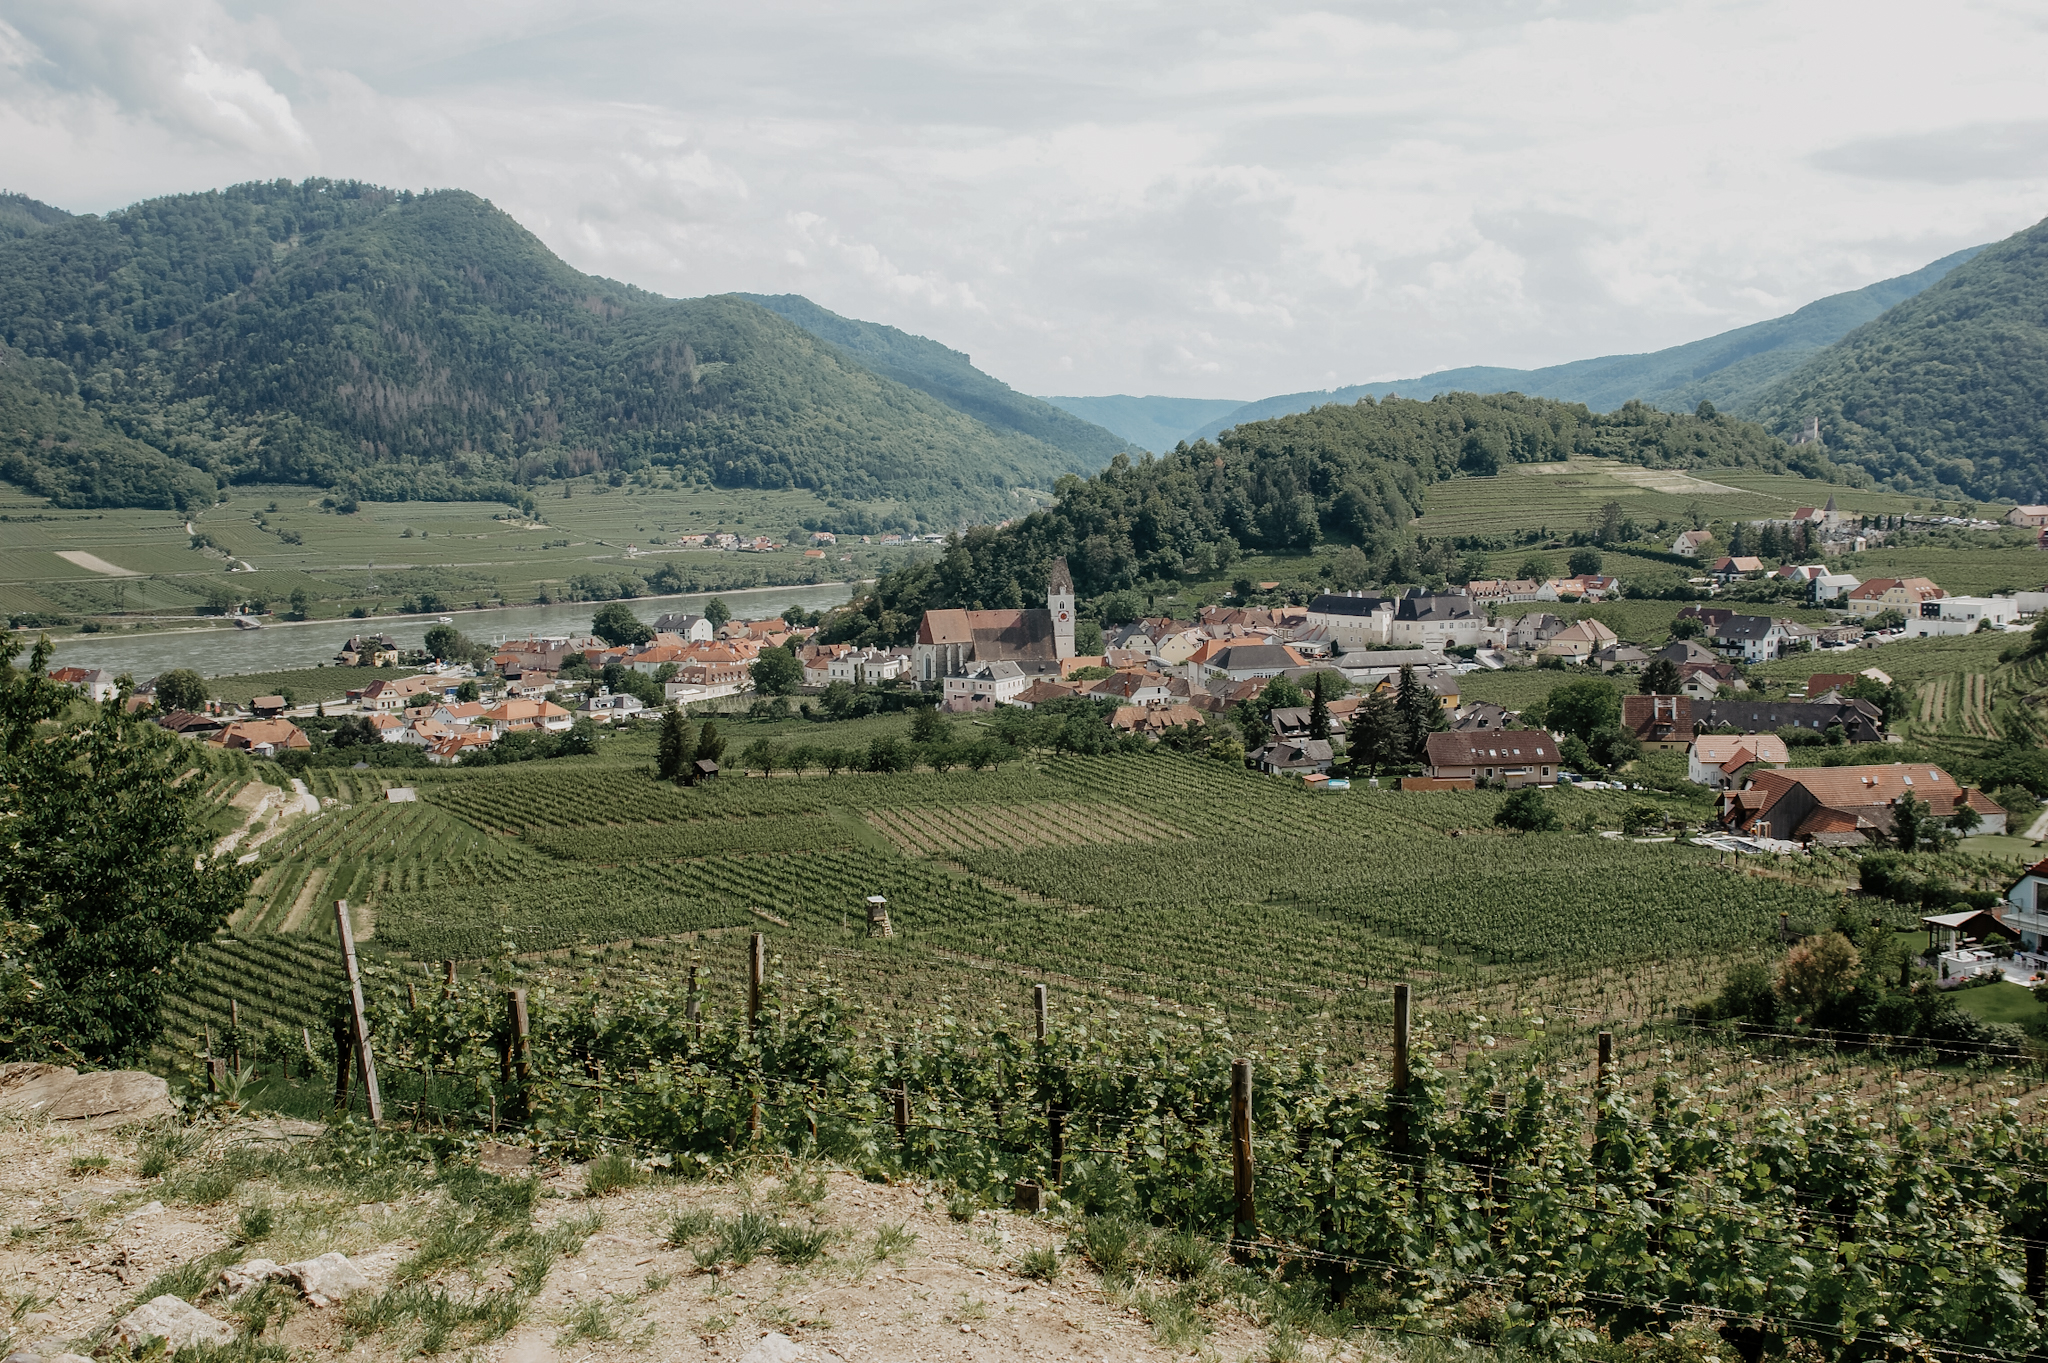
[(464, 552)]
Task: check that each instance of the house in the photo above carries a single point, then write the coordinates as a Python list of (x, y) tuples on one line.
[(1797, 804), (1729, 569), (268, 707), (1295, 757), (1683, 651), (1495, 592), (1480, 715), (1620, 655), (1660, 723), (1578, 641), (1690, 542), (2026, 907), (1818, 520), (1700, 681), (1752, 638), (692, 627), (1153, 720), (1444, 684), (1041, 691), (1967, 927), (455, 747), (1513, 757), (1131, 688), (1292, 721), (388, 728), (1860, 720), (513, 715), (956, 643), (1881, 594), (1530, 632), (1821, 683), (369, 650), (1352, 620), (2033, 517), (1948, 615), (864, 666), (263, 737), (1833, 587), (996, 683), (1585, 587), (604, 708), (96, 683), (1716, 760), (1435, 621), (1241, 662), (188, 723)]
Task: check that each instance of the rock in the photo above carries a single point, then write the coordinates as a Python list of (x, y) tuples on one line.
[(151, 1210), (22, 1356), (105, 1098), (282, 1130), (68, 1358), (503, 1159), (773, 1348), (327, 1279), (241, 1277), (18, 1072), (175, 1322)]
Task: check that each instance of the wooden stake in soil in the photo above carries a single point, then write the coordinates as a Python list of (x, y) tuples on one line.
[(235, 1026), (1397, 1095), (1246, 1218), (757, 968), (1038, 998), (359, 1017), (695, 1009), (522, 1046), (447, 979), (212, 1066)]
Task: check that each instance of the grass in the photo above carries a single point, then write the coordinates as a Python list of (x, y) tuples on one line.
[(2004, 1002)]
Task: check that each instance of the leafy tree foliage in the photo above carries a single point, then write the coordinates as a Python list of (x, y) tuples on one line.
[(776, 672), (1661, 678), (1582, 708), (1526, 811), (674, 750), (616, 624), (718, 613), (180, 689), (1584, 561), (105, 872)]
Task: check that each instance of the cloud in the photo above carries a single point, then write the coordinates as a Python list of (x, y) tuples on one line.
[(1951, 156), (1209, 197)]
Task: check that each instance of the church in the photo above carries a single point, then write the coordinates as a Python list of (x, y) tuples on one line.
[(954, 643)]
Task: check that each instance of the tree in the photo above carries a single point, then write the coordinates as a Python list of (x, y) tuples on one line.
[(758, 755), (777, 672), (1891, 701), (469, 692), (675, 747), (1420, 712), (1614, 745), (1581, 708), (1282, 693), (1886, 620), (616, 624), (717, 613), (1906, 816), (1319, 709), (1661, 678), (1088, 642), (302, 603), (1584, 561), (1819, 970), (354, 732), (1533, 570), (578, 740), (1637, 820), (444, 642), (710, 747), (106, 874), (1965, 819), (1687, 627), (1376, 737), (180, 689), (1526, 811), (927, 725)]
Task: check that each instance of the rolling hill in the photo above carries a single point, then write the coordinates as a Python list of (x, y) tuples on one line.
[(1730, 370), (1946, 392), (1151, 423), (426, 346)]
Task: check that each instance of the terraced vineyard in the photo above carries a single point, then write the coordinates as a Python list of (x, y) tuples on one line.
[(279, 983)]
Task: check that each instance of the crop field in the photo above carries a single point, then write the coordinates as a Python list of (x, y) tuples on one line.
[(141, 562), (1975, 571)]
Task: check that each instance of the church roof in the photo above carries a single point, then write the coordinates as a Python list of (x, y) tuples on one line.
[(1058, 580), (1019, 635)]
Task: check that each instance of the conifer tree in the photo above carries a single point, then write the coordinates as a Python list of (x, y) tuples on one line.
[(672, 756), (1319, 708)]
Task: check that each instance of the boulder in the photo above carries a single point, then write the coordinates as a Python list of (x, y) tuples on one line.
[(239, 1278), (173, 1321), (773, 1348), (327, 1279), (104, 1098), (503, 1159)]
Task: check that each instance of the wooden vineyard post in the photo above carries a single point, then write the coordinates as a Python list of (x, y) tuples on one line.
[(360, 1019), (235, 1026), (522, 1048), (1245, 1219), (695, 1011), (212, 1065), (1600, 1081), (902, 1108), (757, 966), (1056, 1129), (447, 979), (1397, 1095), (1038, 999), (412, 997), (344, 1063)]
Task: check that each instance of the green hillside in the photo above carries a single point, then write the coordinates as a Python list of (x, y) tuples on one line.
[(403, 346), (1947, 391), (1352, 475), (21, 216), (949, 376), (1730, 370)]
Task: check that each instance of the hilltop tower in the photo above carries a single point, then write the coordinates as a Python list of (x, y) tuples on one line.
[(1059, 602)]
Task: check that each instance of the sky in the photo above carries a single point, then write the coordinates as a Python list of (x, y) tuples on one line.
[(1188, 198)]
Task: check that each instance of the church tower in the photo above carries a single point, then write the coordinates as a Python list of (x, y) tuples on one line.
[(1059, 603)]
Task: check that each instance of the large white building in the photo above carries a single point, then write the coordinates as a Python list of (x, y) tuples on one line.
[(956, 643), (1947, 615)]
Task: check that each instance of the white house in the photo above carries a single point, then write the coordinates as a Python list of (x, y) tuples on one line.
[(1946, 615), (1714, 760), (604, 709), (1435, 621), (992, 683), (694, 628), (2026, 907), (863, 665), (1834, 586), (1689, 544), (1352, 619)]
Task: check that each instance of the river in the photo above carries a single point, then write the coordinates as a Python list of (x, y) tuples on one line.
[(281, 646)]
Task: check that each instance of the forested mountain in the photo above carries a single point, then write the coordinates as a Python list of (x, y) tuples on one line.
[(1948, 390), (949, 376), (401, 345), (21, 216), (1344, 474), (1730, 370), (1151, 423)]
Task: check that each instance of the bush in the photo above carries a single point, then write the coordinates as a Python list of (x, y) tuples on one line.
[(1526, 811)]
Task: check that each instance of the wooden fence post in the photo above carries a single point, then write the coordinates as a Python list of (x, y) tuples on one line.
[(694, 1011), (757, 968), (1397, 1095), (235, 1025), (447, 979), (1245, 1220), (1056, 1128), (212, 1065), (522, 1047), (364, 1058), (1038, 999), (344, 1063), (1600, 1082)]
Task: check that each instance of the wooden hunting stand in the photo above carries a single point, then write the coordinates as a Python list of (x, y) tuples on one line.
[(878, 917)]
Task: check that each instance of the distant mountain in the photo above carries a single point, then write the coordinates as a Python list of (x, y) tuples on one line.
[(1948, 391), (1730, 370), (427, 346), (949, 376), (1150, 423), (21, 216)]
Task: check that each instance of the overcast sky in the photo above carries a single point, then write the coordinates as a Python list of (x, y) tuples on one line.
[(1207, 200)]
